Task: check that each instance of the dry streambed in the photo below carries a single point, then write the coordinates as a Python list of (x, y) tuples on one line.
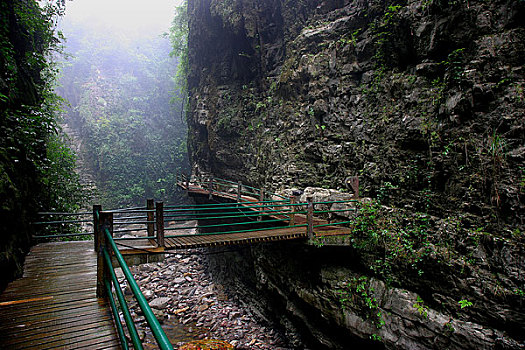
[(190, 306)]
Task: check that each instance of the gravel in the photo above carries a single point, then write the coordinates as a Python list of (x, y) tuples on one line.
[(180, 291)]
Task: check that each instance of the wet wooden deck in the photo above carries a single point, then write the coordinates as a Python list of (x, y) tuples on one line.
[(277, 234), (54, 304), (212, 240)]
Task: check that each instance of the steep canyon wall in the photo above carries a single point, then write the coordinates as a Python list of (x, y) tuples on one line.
[(424, 101)]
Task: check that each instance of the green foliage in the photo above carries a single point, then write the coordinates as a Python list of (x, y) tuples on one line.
[(383, 30), (349, 39), (402, 241), (519, 292), (133, 139), (454, 65), (29, 105), (449, 329), (366, 227), (420, 306), (359, 295), (178, 35), (31, 174), (465, 303), (438, 88), (316, 241), (61, 182)]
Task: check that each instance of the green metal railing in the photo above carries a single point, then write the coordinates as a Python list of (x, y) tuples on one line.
[(107, 282), (243, 214), (61, 225), (246, 196), (229, 188)]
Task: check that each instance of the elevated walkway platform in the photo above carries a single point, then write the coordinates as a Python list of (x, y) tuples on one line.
[(54, 305)]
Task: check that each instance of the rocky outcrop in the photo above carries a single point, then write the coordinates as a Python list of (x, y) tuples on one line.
[(424, 102), (325, 299), (425, 96)]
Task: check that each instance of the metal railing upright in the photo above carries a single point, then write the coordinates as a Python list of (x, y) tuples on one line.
[(107, 282)]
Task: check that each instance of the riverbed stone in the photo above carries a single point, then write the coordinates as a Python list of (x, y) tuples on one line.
[(159, 303)]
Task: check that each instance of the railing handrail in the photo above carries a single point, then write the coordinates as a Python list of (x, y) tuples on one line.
[(107, 242), (43, 213), (284, 209), (211, 180)]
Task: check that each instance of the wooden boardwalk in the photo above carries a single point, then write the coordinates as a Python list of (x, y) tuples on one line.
[(267, 235), (179, 240), (212, 240), (54, 304)]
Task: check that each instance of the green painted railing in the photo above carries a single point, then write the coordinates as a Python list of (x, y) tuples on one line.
[(265, 211), (107, 282), (246, 211)]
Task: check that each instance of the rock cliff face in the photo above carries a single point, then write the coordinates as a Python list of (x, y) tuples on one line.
[(424, 101), (22, 135)]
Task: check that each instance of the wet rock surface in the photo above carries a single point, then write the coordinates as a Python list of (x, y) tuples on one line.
[(424, 101), (190, 306)]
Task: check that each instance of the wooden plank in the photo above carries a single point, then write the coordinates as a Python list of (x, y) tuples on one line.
[(36, 325), (142, 250), (65, 331), (91, 336), (16, 302), (54, 304), (23, 290), (236, 238)]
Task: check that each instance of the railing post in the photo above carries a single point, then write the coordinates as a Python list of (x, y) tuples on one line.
[(159, 211), (210, 188), (188, 183), (96, 210), (292, 213), (150, 206), (261, 199), (239, 187), (106, 222), (310, 218)]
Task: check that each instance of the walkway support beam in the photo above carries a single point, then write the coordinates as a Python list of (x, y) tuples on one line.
[(96, 230), (159, 213), (261, 199), (105, 223), (150, 206), (210, 188), (310, 218), (239, 188), (292, 211)]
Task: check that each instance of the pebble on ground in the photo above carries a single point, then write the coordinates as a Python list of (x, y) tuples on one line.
[(179, 289)]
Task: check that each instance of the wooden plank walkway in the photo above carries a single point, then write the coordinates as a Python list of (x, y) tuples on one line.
[(184, 241), (54, 304), (211, 240), (223, 239), (277, 234)]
